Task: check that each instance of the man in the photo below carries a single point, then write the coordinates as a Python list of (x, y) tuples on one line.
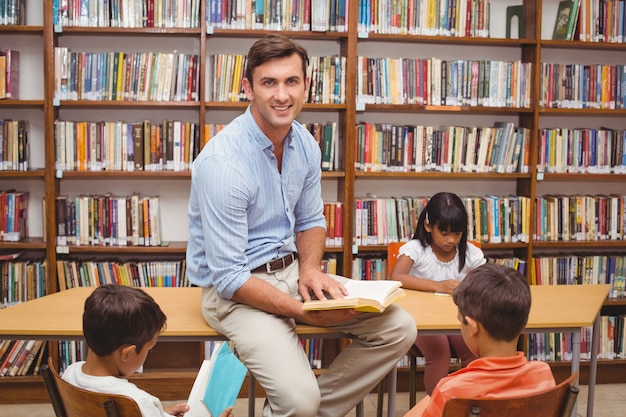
[(257, 233)]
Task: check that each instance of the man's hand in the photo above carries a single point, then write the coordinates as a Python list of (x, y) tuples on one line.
[(323, 287)]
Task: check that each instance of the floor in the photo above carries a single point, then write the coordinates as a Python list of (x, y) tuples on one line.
[(610, 401)]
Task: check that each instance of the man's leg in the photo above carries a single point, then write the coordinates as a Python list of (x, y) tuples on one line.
[(268, 345), (379, 341)]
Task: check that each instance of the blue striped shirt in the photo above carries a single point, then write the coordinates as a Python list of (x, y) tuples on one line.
[(242, 211)]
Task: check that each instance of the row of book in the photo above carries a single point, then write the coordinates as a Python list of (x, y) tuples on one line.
[(581, 269), (22, 278), (170, 145), (13, 215), (601, 20), (327, 75), (127, 13), (278, 15), (464, 18), (12, 12), (14, 146), (557, 347), (21, 357), (580, 218), (436, 81), (582, 86), (108, 220), (125, 76), (491, 219), (9, 74), (384, 147), (333, 212), (93, 273), (582, 150), (327, 136)]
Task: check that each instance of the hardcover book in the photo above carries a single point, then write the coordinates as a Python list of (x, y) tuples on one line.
[(368, 296), (565, 22)]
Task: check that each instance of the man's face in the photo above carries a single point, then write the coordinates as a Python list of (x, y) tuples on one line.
[(277, 94)]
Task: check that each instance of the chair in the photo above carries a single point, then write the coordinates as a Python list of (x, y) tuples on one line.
[(71, 401), (555, 402)]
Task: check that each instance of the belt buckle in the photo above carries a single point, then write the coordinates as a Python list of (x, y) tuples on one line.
[(268, 268)]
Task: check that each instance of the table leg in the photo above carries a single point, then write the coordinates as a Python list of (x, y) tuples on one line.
[(359, 409), (593, 366), (391, 392), (576, 362), (251, 394)]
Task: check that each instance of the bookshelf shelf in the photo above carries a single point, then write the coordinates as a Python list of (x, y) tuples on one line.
[(80, 104), (31, 243), (111, 31), (126, 174), (444, 176), (33, 173), (415, 108), (447, 40), (21, 103), (22, 29), (171, 248)]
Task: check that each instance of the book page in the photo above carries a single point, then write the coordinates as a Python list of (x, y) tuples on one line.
[(372, 290)]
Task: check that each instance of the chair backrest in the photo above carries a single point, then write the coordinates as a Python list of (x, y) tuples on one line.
[(71, 401), (392, 255), (555, 402)]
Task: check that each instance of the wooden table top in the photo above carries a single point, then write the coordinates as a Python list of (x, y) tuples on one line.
[(59, 315)]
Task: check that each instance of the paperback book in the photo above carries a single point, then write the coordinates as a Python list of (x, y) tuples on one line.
[(218, 383), (368, 296)]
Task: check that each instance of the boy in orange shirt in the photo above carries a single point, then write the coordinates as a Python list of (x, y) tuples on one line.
[(493, 305)]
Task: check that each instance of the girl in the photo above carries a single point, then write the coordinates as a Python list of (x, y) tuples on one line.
[(436, 260)]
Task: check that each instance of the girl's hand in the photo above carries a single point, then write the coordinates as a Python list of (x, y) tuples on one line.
[(446, 286)]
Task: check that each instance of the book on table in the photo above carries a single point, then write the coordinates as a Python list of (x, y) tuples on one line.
[(217, 384), (368, 296)]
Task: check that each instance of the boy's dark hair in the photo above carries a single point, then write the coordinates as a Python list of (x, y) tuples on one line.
[(274, 46), (496, 296), (116, 315), (447, 212)]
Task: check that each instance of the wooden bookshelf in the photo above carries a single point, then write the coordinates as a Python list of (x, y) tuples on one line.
[(40, 37)]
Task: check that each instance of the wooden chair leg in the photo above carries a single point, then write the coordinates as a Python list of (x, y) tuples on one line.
[(412, 380)]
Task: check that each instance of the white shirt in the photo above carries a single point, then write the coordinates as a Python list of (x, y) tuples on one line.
[(427, 266), (149, 405)]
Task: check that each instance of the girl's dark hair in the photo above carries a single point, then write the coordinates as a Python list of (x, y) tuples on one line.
[(496, 296), (116, 315), (274, 46), (447, 212)]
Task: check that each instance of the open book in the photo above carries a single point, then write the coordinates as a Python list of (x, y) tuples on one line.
[(218, 383), (369, 296)]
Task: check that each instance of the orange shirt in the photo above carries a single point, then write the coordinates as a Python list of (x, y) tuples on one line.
[(492, 378)]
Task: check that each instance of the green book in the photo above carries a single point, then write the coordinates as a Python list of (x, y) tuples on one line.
[(565, 22)]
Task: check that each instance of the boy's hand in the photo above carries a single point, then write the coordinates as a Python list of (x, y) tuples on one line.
[(177, 410), (228, 412)]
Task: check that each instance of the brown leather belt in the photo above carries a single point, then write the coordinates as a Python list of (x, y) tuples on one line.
[(277, 264)]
